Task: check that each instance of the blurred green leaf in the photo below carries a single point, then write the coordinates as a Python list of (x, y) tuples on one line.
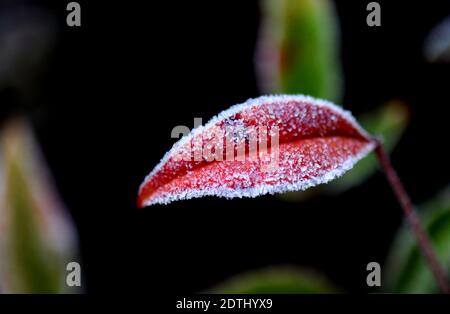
[(298, 49), (276, 279), (406, 271), (36, 234), (298, 53)]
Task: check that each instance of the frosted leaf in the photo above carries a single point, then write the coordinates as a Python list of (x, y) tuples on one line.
[(302, 142)]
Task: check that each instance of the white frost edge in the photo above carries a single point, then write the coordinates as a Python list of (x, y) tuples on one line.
[(257, 102)]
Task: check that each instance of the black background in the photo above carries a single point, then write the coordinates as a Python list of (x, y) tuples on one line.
[(134, 70)]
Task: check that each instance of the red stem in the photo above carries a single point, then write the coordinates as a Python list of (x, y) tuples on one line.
[(413, 219)]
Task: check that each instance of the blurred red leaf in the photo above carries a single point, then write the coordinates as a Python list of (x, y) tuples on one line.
[(309, 142)]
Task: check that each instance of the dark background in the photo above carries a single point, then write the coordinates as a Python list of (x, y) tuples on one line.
[(119, 84)]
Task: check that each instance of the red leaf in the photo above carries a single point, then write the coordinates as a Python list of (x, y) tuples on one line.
[(318, 142)]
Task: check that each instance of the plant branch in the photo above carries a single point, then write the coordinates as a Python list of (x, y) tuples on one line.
[(413, 219)]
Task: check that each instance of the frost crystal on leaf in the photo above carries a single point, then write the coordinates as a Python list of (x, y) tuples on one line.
[(309, 142)]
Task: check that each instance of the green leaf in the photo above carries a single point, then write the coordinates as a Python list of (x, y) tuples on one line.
[(406, 271), (298, 52), (298, 49), (37, 236), (276, 279)]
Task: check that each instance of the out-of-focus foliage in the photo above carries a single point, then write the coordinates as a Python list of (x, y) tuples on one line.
[(298, 49), (298, 52), (406, 271), (276, 279), (437, 44), (37, 237), (27, 38)]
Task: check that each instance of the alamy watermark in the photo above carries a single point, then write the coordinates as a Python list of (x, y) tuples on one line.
[(74, 16), (373, 279), (374, 17), (73, 277)]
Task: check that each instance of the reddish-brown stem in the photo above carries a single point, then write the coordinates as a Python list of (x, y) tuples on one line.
[(413, 219)]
